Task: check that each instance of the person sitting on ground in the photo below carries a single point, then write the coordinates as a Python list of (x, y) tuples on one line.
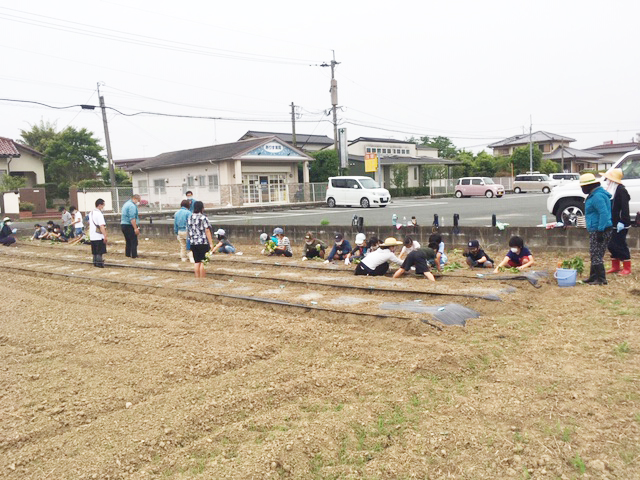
[(377, 262), (476, 257), (49, 228), (313, 247), (518, 255), (420, 260), (39, 232), (372, 244), (409, 245), (441, 257), (223, 245), (78, 224), (359, 251), (341, 248), (284, 246), (58, 234), (6, 232)]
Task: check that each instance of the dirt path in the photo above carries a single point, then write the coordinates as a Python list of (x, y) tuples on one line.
[(105, 383)]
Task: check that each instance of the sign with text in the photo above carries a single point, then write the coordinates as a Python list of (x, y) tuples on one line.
[(370, 162), (343, 151)]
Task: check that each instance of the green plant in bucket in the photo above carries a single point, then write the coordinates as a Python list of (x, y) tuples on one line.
[(575, 263)]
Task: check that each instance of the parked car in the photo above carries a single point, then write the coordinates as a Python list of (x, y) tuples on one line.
[(363, 191), (566, 201), (533, 182), (565, 177), (478, 186)]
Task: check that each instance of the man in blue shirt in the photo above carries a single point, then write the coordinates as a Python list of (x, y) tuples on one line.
[(180, 219), (129, 222), (191, 200)]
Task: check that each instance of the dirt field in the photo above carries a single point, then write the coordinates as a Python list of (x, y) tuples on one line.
[(103, 381)]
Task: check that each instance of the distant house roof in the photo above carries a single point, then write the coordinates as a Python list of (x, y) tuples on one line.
[(399, 160), (615, 147), (536, 137), (28, 149), (378, 140), (301, 138), (213, 153), (125, 163), (8, 148), (571, 153)]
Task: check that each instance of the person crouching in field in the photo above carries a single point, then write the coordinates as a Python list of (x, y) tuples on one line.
[(420, 258), (6, 232), (376, 263), (284, 245), (518, 256), (341, 249), (223, 245), (476, 257), (313, 247)]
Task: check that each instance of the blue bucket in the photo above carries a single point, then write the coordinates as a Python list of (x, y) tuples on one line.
[(566, 277)]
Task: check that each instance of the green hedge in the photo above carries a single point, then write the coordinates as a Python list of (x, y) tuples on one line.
[(409, 191)]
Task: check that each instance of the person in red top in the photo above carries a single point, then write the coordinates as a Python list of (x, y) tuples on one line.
[(518, 256)]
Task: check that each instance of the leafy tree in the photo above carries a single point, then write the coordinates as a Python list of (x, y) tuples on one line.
[(467, 167), (40, 136), (446, 148), (10, 183), (400, 173), (122, 177), (430, 172), (485, 165), (549, 166), (326, 164), (520, 159)]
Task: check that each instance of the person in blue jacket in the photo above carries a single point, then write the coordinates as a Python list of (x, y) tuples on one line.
[(180, 219), (597, 212), (341, 249)]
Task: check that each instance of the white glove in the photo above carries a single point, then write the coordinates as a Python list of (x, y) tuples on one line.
[(346, 261), (326, 261), (620, 227), (15, 230), (304, 258)]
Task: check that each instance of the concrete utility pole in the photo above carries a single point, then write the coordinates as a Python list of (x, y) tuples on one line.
[(334, 98), (293, 124), (530, 144), (112, 172)]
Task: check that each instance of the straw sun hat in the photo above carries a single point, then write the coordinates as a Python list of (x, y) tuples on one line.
[(615, 175), (391, 242)]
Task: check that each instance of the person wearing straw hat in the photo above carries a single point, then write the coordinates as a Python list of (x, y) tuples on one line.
[(377, 262), (597, 212), (621, 221)]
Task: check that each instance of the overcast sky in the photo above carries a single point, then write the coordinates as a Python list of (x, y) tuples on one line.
[(474, 71)]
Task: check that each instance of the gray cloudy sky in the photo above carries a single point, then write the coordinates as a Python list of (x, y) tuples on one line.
[(474, 71)]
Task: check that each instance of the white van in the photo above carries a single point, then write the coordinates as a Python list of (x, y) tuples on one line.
[(363, 191)]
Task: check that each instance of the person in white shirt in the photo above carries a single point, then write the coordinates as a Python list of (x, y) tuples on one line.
[(409, 245), (78, 225), (376, 263), (98, 234)]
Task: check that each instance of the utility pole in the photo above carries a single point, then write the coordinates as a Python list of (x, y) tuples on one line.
[(112, 172), (334, 98), (293, 124), (530, 145)]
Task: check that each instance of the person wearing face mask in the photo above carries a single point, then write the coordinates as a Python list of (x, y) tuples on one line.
[(621, 221), (313, 247), (6, 232), (129, 222), (190, 199), (597, 213), (98, 234), (518, 256), (341, 248)]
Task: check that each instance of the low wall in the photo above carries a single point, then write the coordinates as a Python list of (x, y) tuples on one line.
[(489, 238)]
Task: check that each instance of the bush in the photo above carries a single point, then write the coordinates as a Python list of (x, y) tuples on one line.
[(90, 183), (409, 191), (27, 207)]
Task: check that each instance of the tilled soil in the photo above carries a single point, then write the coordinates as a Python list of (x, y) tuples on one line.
[(104, 381)]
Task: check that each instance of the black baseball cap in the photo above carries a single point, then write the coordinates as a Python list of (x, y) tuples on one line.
[(474, 244)]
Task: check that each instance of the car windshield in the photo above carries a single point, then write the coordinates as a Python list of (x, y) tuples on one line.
[(368, 183), (488, 181), (545, 178)]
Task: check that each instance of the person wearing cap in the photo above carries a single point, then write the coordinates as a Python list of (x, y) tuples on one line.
[(98, 234), (180, 220), (377, 262), (421, 259), (6, 232), (620, 220), (313, 247), (223, 245), (597, 213), (284, 245), (341, 248), (359, 251), (408, 245), (476, 257), (39, 232)]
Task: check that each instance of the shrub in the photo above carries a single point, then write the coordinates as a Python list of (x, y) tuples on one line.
[(27, 207), (90, 183), (409, 191), (324, 222)]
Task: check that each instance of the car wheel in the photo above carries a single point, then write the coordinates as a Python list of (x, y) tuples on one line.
[(331, 202), (488, 194), (569, 211), (458, 194), (517, 190), (546, 190), (364, 203)]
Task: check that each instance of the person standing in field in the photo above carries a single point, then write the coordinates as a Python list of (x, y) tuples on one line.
[(597, 213), (130, 224), (620, 220), (98, 234), (199, 234), (180, 219)]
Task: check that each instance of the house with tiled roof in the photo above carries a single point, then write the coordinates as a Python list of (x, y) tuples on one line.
[(547, 142), (612, 152), (252, 171), (21, 161), (573, 160), (303, 141)]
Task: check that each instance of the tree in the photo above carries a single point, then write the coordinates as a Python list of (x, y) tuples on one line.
[(326, 164), (122, 177), (446, 149), (40, 136), (400, 173), (485, 165), (549, 166), (10, 183), (520, 159)]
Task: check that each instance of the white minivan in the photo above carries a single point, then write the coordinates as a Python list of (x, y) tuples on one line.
[(363, 191)]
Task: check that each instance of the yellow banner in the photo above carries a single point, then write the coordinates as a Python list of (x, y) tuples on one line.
[(370, 162)]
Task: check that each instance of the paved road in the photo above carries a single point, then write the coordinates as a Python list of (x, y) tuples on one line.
[(522, 210)]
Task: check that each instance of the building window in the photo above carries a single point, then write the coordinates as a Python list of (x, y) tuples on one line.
[(143, 187), (190, 181), (201, 180), (159, 187), (213, 183), (368, 149)]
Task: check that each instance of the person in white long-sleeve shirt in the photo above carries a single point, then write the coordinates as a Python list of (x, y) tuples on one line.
[(409, 245), (376, 263)]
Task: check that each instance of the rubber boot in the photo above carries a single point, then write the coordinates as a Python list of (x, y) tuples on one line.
[(592, 276), (627, 268), (95, 261), (99, 261), (602, 275), (615, 266)]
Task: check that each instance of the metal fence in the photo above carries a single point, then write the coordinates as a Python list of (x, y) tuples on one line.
[(159, 198), (447, 186)]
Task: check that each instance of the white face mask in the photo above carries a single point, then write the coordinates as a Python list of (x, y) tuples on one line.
[(308, 242), (514, 249)]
